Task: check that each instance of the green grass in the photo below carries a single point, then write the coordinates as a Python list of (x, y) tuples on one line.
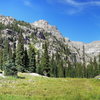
[(41, 88)]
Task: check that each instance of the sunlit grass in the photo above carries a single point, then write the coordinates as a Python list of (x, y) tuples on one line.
[(28, 87)]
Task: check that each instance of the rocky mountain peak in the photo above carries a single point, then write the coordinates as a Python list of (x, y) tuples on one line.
[(41, 22), (6, 20), (48, 28)]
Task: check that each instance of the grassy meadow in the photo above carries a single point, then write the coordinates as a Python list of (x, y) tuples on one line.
[(28, 87)]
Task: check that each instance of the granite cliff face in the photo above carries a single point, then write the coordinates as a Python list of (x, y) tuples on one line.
[(6, 19), (41, 30), (91, 49), (48, 28)]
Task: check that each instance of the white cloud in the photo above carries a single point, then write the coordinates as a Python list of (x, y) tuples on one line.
[(27, 3), (73, 11), (75, 6)]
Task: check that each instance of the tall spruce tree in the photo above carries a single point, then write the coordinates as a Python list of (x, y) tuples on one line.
[(14, 52), (26, 61), (45, 61), (57, 59), (69, 70), (84, 63), (38, 63), (78, 70), (60, 68), (90, 69), (7, 51), (32, 59), (8, 66), (74, 65), (1, 51), (95, 67), (1, 58), (53, 66), (20, 53), (99, 64)]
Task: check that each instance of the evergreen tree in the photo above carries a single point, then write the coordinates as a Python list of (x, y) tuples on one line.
[(78, 70), (74, 65), (32, 59), (65, 65), (26, 60), (20, 53), (10, 68), (95, 67), (90, 70), (60, 69), (52, 65), (64, 71), (99, 64), (69, 70), (14, 53), (84, 63), (1, 52), (7, 51), (57, 63), (45, 61), (38, 63), (10, 53), (1, 58)]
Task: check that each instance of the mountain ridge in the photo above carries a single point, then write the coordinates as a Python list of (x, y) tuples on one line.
[(43, 30)]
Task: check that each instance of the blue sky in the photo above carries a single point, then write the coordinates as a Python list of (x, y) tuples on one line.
[(77, 19)]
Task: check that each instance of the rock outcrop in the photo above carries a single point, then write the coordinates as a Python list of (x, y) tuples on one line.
[(48, 28), (6, 20)]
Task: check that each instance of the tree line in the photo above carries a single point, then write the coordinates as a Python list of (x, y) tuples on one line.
[(20, 59)]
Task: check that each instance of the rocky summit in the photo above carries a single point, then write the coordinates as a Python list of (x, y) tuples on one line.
[(48, 28), (41, 30)]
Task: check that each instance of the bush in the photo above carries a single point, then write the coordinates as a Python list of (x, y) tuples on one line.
[(10, 69)]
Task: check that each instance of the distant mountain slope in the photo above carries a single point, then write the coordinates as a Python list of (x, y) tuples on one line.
[(40, 31)]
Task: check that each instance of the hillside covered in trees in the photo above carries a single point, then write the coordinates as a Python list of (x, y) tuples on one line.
[(26, 47)]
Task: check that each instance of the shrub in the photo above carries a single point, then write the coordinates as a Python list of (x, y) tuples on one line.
[(10, 69)]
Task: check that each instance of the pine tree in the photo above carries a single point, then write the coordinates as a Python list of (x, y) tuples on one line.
[(65, 65), (32, 59), (26, 61), (60, 68), (45, 61), (74, 65), (53, 67), (90, 70), (84, 63), (95, 67), (99, 64), (69, 70), (57, 59), (78, 70), (64, 71), (38, 63), (10, 53), (14, 53), (20, 53), (1, 52), (10, 69), (7, 51), (1, 58)]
